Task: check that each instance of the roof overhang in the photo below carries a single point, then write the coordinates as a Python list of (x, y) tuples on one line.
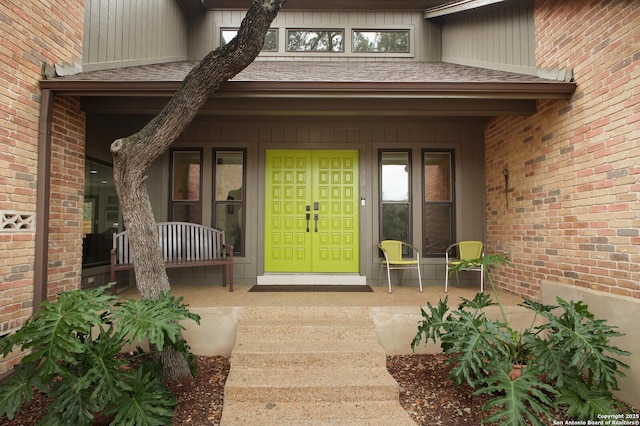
[(451, 7), (269, 88), (416, 5), (279, 89)]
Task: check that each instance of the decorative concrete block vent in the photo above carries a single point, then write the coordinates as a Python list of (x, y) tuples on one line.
[(311, 366), (17, 221)]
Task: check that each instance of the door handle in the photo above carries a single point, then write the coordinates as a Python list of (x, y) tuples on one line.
[(315, 217), (308, 219)]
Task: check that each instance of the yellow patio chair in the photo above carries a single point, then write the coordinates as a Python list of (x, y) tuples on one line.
[(393, 259), (469, 250)]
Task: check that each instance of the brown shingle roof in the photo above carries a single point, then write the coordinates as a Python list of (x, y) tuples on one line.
[(312, 71), (432, 79)]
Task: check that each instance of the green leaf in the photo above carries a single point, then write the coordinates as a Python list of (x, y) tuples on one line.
[(106, 372), (18, 388), (71, 404), (147, 402), (578, 341), (432, 324), (584, 403), (523, 398), (472, 345), (56, 333), (155, 320)]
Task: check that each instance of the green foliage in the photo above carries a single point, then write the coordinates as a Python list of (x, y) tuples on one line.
[(571, 364), (74, 346), (520, 398)]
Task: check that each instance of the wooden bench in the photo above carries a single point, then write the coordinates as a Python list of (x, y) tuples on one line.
[(183, 245)]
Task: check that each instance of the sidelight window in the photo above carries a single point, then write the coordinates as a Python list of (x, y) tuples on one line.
[(186, 184), (229, 196), (438, 209), (395, 197)]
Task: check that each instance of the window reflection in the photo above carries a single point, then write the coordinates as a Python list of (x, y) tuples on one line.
[(186, 186), (101, 214), (315, 40), (437, 214), (395, 197), (383, 41), (229, 196), (270, 39)]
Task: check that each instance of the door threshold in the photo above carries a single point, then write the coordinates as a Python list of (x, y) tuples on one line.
[(310, 279)]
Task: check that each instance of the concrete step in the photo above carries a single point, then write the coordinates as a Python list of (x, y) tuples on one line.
[(309, 366), (370, 413), (310, 354), (286, 330), (310, 385), (306, 312)]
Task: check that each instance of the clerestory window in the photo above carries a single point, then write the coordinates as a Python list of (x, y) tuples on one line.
[(330, 40), (270, 39), (380, 41)]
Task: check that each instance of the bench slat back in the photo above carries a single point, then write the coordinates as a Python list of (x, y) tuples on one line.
[(179, 241)]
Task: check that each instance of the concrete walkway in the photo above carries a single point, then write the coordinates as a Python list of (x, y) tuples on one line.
[(311, 366)]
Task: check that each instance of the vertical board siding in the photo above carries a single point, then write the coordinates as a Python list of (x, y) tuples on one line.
[(465, 137), (498, 37), (133, 32)]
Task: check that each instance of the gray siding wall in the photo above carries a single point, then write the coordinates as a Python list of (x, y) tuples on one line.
[(425, 42), (257, 135), (122, 33), (500, 37)]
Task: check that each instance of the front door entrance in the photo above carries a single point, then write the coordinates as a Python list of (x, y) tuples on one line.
[(311, 211)]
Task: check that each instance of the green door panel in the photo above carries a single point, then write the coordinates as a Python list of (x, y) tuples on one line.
[(287, 193), (322, 184)]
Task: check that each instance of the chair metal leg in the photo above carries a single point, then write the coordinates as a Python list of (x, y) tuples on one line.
[(481, 279), (446, 279), (419, 277), (389, 277)]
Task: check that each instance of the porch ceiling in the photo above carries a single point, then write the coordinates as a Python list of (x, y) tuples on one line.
[(284, 87)]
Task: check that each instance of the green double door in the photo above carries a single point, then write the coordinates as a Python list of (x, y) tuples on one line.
[(311, 211)]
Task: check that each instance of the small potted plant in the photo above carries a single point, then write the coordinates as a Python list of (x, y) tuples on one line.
[(566, 363)]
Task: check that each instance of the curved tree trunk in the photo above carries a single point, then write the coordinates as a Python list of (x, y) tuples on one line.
[(133, 155)]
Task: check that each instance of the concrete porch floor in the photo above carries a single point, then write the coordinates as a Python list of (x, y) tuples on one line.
[(395, 315), (208, 296)]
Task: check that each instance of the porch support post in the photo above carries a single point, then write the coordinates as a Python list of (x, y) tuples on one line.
[(42, 199)]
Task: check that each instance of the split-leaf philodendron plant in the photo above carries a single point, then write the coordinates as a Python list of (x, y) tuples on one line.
[(73, 350), (568, 361)]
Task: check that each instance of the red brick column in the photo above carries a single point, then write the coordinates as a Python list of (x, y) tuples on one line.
[(33, 33), (574, 168)]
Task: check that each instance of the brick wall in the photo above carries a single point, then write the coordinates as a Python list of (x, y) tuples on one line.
[(32, 33), (67, 196), (573, 213)]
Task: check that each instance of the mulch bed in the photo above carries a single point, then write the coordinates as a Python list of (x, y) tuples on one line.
[(426, 393)]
